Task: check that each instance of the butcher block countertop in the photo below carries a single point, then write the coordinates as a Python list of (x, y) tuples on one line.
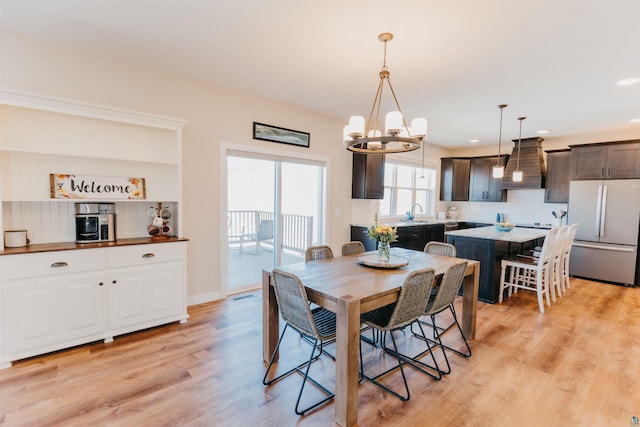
[(66, 246), (517, 235)]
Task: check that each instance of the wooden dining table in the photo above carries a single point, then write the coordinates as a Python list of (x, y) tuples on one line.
[(349, 288)]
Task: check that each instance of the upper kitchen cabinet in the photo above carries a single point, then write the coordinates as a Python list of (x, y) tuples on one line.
[(558, 176), (483, 187), (367, 181), (454, 179), (611, 160)]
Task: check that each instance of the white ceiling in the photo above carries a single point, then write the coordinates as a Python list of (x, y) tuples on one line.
[(555, 61)]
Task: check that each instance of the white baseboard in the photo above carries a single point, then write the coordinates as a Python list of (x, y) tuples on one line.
[(202, 298)]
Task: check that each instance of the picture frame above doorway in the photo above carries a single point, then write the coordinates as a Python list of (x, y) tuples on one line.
[(281, 135)]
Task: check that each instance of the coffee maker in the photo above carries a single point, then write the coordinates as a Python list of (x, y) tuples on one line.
[(95, 222)]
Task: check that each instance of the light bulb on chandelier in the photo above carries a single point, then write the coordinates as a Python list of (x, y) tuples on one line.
[(364, 136)]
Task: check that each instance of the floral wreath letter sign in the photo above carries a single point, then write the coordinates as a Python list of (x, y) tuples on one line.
[(96, 187)]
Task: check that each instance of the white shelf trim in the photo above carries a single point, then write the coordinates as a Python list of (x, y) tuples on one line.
[(19, 98)]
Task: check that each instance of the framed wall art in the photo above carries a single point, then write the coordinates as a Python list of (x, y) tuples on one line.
[(281, 135)]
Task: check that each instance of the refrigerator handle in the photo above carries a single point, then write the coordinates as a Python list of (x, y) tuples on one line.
[(603, 211), (599, 210)]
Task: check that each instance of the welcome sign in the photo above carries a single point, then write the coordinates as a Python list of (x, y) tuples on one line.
[(96, 187)]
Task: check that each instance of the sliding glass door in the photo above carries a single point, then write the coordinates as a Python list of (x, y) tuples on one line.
[(274, 212)]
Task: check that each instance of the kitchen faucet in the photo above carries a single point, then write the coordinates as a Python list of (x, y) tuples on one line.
[(413, 207)]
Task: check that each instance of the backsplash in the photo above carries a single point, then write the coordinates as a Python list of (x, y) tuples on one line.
[(53, 221), (521, 207)]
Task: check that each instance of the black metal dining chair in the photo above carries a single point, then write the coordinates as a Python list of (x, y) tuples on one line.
[(317, 326), (413, 298), (443, 300)]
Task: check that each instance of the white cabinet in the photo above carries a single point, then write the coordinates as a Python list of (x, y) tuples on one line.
[(146, 285), (45, 314), (53, 300)]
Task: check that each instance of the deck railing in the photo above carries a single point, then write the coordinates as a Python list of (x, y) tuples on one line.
[(297, 233)]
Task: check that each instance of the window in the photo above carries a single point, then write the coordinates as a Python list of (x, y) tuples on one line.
[(405, 185)]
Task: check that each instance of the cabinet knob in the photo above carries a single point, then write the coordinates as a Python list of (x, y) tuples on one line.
[(114, 281), (59, 264), (101, 283), (148, 255)]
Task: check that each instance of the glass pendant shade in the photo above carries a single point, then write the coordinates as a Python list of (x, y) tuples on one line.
[(393, 123), (498, 169), (356, 126), (419, 127), (517, 174)]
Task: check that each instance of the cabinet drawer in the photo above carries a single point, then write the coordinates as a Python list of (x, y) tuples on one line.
[(52, 263), (145, 254)]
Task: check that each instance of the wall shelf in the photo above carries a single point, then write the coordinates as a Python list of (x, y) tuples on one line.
[(41, 135)]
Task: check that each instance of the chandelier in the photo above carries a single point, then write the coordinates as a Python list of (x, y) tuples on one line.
[(397, 137)]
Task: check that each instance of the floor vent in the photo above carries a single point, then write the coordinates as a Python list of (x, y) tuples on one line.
[(242, 297)]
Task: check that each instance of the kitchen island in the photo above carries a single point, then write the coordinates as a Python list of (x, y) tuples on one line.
[(490, 246)]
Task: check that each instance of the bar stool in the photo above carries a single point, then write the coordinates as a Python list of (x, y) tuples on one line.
[(531, 273)]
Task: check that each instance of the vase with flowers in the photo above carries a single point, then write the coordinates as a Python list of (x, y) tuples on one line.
[(384, 235)]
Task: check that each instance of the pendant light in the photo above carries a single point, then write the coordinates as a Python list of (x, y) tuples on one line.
[(498, 169), (422, 176), (518, 174)]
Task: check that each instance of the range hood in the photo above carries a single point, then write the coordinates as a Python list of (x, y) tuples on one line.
[(531, 163)]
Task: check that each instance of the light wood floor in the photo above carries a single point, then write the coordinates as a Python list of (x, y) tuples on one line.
[(577, 364)]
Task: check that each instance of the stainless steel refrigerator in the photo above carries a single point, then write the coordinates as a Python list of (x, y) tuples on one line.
[(606, 242)]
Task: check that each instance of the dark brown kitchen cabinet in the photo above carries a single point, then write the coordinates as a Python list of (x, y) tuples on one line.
[(483, 187), (433, 233), (454, 179), (409, 237), (417, 236), (361, 234), (611, 160), (367, 181), (558, 176)]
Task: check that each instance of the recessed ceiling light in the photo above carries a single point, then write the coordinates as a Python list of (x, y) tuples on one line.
[(543, 131), (630, 81), (474, 140), (635, 120)]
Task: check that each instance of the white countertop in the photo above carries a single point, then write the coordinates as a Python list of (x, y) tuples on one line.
[(517, 235), (411, 223)]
